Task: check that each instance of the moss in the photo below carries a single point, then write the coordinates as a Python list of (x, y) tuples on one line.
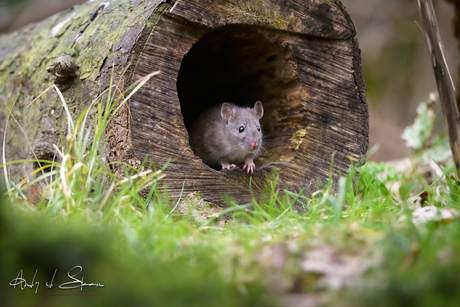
[(26, 54), (297, 138), (271, 15), (265, 14)]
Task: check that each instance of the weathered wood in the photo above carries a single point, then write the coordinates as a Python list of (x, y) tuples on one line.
[(300, 58)]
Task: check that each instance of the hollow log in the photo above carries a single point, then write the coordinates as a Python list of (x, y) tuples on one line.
[(299, 57)]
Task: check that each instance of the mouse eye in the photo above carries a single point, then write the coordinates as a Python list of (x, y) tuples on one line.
[(258, 128), (241, 129)]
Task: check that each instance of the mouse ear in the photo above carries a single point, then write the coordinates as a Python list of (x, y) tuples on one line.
[(258, 110), (226, 112)]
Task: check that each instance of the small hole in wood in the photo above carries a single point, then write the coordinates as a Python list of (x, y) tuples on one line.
[(236, 64), (271, 58)]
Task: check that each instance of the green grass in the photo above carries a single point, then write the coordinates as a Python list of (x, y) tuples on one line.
[(358, 246)]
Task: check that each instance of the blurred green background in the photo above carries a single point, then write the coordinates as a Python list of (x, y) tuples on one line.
[(396, 66), (397, 69)]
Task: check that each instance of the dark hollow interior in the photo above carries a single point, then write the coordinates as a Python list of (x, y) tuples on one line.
[(241, 64)]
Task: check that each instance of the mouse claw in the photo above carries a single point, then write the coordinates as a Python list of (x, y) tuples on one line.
[(249, 165), (228, 166)]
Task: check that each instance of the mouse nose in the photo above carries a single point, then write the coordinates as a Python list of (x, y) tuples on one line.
[(254, 144)]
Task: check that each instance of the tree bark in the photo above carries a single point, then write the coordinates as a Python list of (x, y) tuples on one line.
[(299, 57)]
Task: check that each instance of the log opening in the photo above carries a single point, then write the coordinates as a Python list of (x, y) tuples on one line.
[(239, 64)]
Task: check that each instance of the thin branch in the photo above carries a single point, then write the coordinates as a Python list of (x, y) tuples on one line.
[(446, 88)]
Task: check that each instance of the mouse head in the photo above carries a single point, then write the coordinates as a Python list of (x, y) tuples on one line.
[(243, 128), (229, 114)]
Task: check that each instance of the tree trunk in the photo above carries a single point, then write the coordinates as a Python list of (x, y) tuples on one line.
[(299, 57)]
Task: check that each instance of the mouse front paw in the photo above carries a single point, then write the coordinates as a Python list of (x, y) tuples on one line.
[(228, 166), (249, 165)]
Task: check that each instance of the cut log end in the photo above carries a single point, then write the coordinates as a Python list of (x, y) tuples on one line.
[(314, 107)]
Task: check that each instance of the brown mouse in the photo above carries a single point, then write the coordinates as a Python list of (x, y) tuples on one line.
[(227, 135)]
